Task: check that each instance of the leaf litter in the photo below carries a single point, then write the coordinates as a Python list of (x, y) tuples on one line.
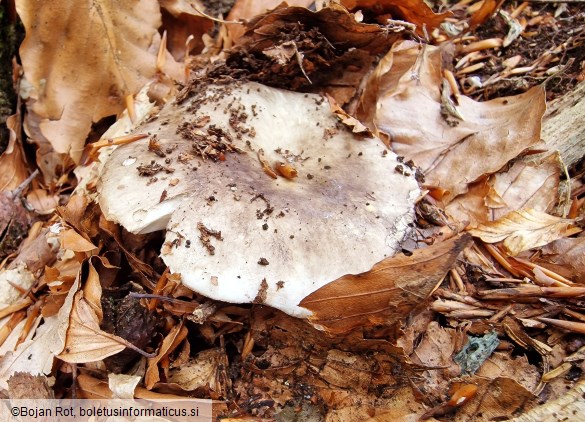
[(384, 342)]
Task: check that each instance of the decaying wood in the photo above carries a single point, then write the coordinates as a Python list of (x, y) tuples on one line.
[(564, 128)]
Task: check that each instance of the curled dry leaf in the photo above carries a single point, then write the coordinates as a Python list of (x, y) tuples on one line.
[(386, 293), (529, 183), (234, 233), (471, 207), (173, 339), (36, 356), (37, 250), (73, 241), (414, 11), (295, 48), (13, 168), (402, 101), (525, 229), (42, 201), (566, 256), (351, 122), (247, 9), (182, 19), (204, 372), (72, 81), (123, 386)]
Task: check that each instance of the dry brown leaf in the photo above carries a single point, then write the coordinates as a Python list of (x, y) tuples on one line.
[(403, 102), (487, 9), (334, 50), (42, 201), (93, 388), (566, 256), (529, 183), (247, 9), (22, 385), (384, 294), (497, 399), (36, 355), (81, 60), (73, 241), (525, 229), (471, 207), (37, 250), (351, 122), (205, 371), (338, 26), (171, 341), (13, 168), (435, 350), (85, 341), (92, 291), (414, 11), (182, 19)]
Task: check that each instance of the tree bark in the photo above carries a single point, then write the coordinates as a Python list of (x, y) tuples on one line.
[(564, 126)]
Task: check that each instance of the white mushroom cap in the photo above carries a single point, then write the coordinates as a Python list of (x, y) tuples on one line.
[(280, 239)]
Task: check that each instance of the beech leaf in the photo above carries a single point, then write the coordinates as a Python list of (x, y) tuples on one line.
[(80, 60), (525, 229), (402, 101), (386, 293), (85, 341)]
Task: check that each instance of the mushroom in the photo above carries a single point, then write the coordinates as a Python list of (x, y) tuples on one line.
[(265, 196)]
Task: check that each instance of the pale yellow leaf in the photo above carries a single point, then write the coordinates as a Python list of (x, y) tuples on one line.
[(529, 183), (85, 341), (123, 385), (36, 355), (525, 229)]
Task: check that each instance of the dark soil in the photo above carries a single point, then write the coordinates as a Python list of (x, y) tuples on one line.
[(567, 30), (8, 43), (218, 7)]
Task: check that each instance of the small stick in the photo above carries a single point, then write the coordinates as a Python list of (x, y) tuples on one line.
[(21, 304), (471, 313), (10, 325), (16, 192), (576, 327), (498, 316), (546, 271), (574, 314), (458, 281), (532, 291), (482, 45), (501, 259)]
